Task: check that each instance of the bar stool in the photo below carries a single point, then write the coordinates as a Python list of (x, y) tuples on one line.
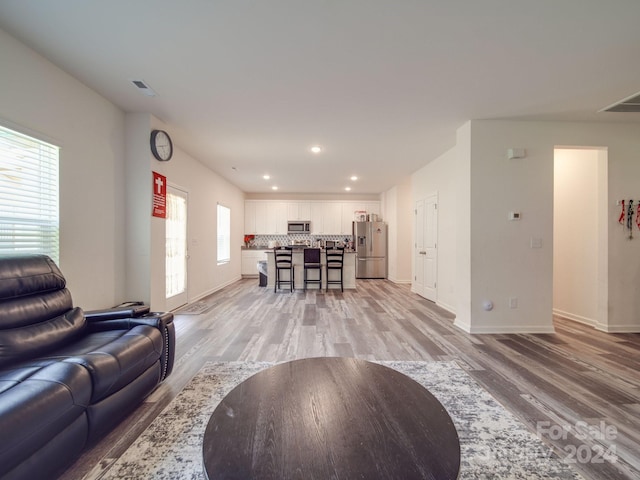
[(335, 257), (312, 262), (283, 261)]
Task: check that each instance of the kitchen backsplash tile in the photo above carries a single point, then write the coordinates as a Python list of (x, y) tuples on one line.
[(263, 240)]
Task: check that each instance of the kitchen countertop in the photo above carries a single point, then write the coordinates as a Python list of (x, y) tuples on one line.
[(296, 247)]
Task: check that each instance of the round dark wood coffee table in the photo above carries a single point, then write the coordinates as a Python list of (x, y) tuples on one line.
[(322, 418)]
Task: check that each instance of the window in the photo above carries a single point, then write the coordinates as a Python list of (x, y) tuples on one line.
[(29, 218), (224, 234)]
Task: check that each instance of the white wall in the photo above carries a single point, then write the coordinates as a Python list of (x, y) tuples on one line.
[(439, 176), (503, 264), (397, 213), (145, 244), (206, 189), (575, 234), (111, 249), (42, 100), (493, 259)]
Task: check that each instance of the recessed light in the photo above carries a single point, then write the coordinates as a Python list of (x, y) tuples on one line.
[(274, 187), (348, 189), (316, 149), (266, 177), (354, 178)]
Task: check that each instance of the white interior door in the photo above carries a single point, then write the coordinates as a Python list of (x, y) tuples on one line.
[(426, 248), (419, 249), (431, 248), (176, 254)]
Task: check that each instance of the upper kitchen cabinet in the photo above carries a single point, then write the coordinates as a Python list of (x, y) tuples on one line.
[(255, 217), (265, 217), (332, 213), (277, 218), (250, 218), (317, 218), (299, 211), (348, 216), (261, 217), (326, 218), (269, 217)]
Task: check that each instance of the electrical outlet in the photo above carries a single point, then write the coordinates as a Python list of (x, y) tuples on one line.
[(513, 302)]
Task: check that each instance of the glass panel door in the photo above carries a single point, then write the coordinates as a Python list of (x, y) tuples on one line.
[(176, 248)]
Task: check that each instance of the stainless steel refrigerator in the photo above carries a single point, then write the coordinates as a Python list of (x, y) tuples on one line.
[(370, 239)]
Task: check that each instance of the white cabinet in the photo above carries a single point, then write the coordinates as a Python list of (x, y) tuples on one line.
[(349, 209), (347, 218), (332, 218), (373, 207), (317, 218), (277, 218), (250, 218), (268, 217), (250, 259), (261, 218), (299, 211), (326, 218)]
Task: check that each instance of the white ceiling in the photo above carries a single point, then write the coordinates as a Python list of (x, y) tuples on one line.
[(248, 86)]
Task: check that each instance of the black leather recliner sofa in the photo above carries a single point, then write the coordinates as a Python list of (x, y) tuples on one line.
[(67, 377)]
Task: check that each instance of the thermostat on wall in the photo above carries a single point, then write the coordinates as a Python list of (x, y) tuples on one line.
[(514, 215)]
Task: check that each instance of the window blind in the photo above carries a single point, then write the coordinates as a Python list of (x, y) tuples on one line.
[(224, 234), (29, 199)]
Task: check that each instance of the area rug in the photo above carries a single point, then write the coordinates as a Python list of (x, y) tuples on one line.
[(493, 443), (195, 308)]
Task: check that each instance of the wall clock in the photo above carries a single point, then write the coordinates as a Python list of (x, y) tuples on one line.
[(161, 145)]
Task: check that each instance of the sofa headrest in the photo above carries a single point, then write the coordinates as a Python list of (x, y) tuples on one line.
[(22, 275)]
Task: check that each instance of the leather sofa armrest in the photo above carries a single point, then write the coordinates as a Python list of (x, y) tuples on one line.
[(163, 321), (114, 313)]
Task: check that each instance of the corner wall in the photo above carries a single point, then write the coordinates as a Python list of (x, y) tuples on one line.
[(441, 176), (504, 264), (510, 263), (40, 99), (111, 249), (397, 213)]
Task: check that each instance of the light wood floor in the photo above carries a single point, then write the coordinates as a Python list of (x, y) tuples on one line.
[(576, 375)]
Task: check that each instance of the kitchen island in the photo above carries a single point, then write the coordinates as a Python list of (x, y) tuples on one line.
[(348, 271)]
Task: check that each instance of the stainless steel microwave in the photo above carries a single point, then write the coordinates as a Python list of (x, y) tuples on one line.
[(298, 226)]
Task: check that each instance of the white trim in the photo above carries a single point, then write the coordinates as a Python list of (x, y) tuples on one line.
[(202, 295), (576, 318), (498, 329), (446, 307), (31, 133), (618, 328)]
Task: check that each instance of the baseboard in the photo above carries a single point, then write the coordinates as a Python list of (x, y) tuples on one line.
[(618, 328), (399, 281), (576, 318), (446, 307), (200, 296), (497, 329)]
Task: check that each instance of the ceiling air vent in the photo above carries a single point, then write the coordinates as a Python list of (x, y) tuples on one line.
[(144, 88), (631, 104)]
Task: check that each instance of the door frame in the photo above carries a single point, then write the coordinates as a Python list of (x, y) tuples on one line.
[(423, 252), (175, 301)]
